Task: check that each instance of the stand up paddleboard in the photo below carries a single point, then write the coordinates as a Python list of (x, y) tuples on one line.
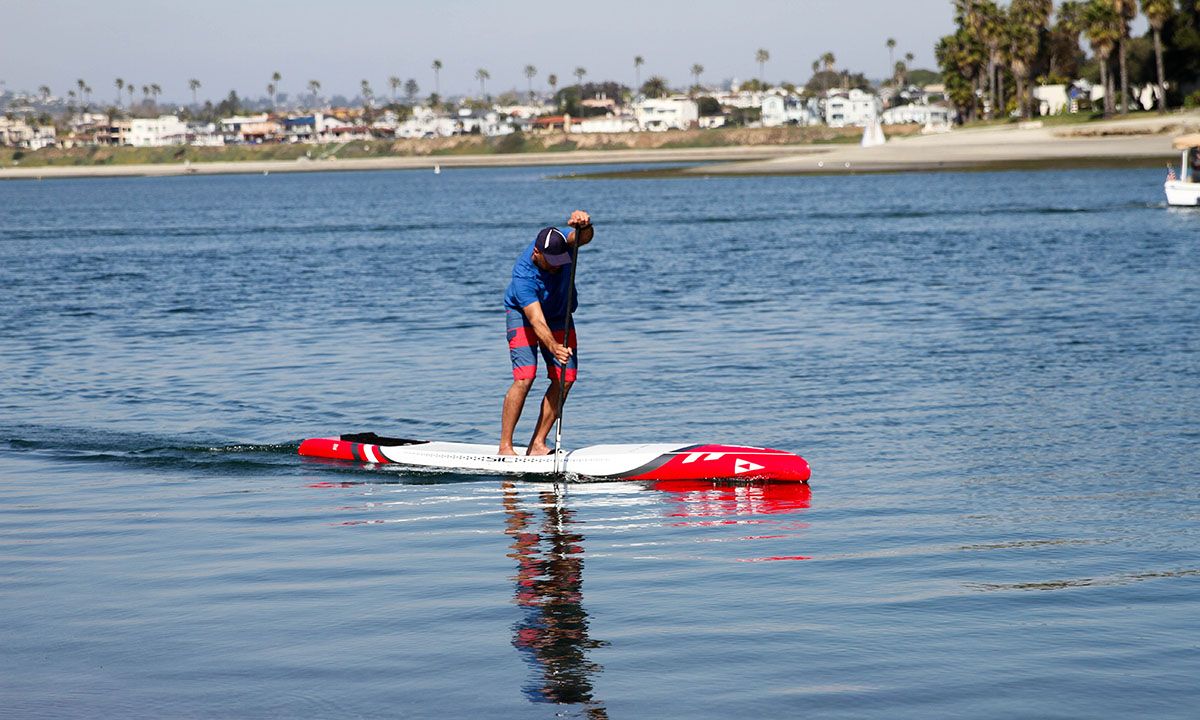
[(599, 462)]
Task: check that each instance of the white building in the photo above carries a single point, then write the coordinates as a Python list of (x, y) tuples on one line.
[(314, 128), (18, 133), (855, 108), (156, 132), (205, 135), (929, 114), (1052, 99), (426, 123), (660, 114), (788, 110), (610, 123), (742, 99)]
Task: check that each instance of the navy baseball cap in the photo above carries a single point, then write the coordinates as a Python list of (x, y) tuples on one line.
[(553, 246)]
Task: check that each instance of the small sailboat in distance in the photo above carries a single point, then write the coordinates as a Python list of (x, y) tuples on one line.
[(873, 133)]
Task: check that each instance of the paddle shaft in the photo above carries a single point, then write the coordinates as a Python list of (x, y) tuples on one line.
[(562, 376)]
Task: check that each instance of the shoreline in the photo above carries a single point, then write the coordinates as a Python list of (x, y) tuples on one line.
[(1110, 143), (737, 153)]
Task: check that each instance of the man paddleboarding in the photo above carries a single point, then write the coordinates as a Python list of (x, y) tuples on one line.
[(535, 305)]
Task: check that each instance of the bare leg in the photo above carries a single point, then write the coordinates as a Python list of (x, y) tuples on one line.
[(514, 402), (546, 419)]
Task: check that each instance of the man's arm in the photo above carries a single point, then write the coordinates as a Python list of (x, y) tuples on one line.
[(533, 313)]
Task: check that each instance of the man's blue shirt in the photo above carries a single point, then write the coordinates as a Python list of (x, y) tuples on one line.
[(532, 284)]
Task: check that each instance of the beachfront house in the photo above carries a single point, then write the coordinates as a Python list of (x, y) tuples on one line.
[(661, 114), (1052, 99), (205, 135), (789, 110), (853, 108), (252, 129), (936, 115), (155, 132), (18, 133), (609, 123), (741, 99), (312, 128), (426, 123)]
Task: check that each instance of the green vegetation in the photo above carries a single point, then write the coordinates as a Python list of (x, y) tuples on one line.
[(996, 55)]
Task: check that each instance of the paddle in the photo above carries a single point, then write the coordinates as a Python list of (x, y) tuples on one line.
[(562, 378)]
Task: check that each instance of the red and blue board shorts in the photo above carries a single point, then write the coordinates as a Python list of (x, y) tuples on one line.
[(523, 343)]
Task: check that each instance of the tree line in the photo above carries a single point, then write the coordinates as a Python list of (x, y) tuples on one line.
[(997, 53)]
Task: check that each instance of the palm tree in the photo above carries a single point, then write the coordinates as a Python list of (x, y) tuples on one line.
[(638, 62), (87, 94), (891, 46), (828, 61), (314, 87), (697, 71), (761, 57), (1023, 21), (275, 78), (271, 94), (394, 83), (44, 91), (367, 94), (155, 90), (580, 72), (81, 84), (552, 81), (655, 87), (1128, 11), (1102, 25), (410, 91), (482, 75), (1068, 25), (989, 27), (437, 70), (131, 89), (530, 72), (146, 95), (194, 85), (1158, 12), (120, 86)]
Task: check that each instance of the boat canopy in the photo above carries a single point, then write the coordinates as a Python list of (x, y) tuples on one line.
[(1183, 142)]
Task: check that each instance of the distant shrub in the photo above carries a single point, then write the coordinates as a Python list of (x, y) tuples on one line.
[(1193, 100), (511, 143)]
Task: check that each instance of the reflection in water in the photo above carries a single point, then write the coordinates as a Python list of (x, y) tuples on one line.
[(731, 504), (548, 549), (553, 634)]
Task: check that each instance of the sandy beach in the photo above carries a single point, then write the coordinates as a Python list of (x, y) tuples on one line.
[(1033, 145), (1141, 140)]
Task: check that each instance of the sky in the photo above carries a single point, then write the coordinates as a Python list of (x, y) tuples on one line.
[(238, 44)]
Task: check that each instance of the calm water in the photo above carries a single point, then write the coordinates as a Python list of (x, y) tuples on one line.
[(994, 376)]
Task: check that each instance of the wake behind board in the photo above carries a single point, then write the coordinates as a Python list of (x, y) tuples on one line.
[(648, 461)]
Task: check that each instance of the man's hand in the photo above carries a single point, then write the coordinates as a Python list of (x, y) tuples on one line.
[(583, 232), (579, 219), (562, 353)]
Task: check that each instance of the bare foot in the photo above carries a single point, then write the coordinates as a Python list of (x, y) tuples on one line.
[(538, 449), (506, 450)]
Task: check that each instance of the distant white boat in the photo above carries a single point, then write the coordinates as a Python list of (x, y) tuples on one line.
[(1185, 190), (873, 133)]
